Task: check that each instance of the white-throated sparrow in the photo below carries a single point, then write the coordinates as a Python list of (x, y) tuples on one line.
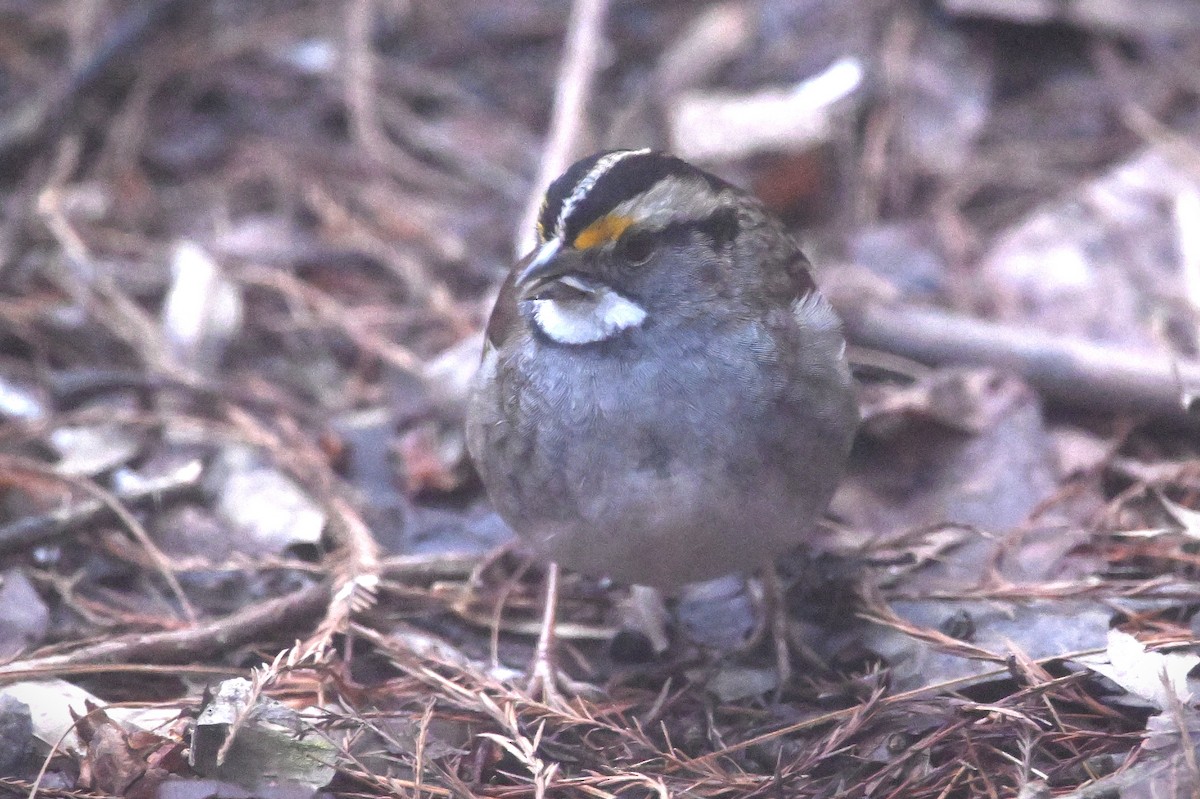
[(664, 396)]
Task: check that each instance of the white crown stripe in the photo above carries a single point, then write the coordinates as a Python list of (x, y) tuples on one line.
[(582, 188)]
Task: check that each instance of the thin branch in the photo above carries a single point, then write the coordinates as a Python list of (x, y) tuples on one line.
[(205, 639), (35, 122), (581, 52), (1074, 372), (10, 463), (35, 529)]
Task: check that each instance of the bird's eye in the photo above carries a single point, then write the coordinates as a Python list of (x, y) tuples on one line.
[(636, 247)]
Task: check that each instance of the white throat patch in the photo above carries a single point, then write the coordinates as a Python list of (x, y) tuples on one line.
[(588, 318)]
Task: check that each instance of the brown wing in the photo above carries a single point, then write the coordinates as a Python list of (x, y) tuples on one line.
[(505, 316)]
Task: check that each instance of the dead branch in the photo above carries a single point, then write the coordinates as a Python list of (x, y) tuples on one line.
[(269, 618), (580, 55), (36, 529), (12, 464), (33, 123), (1073, 372)]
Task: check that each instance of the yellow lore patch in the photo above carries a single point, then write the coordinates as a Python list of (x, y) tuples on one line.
[(603, 230)]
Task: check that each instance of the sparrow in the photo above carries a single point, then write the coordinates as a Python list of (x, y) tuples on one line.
[(663, 396)]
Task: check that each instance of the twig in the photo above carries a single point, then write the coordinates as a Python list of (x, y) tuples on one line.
[(175, 670), (1141, 116), (1176, 146), (54, 748), (95, 292), (1187, 234), (357, 574), (10, 463), (343, 224), (1073, 372), (260, 679), (821, 720), (356, 565), (580, 55), (221, 635), (882, 121), (74, 387), (711, 40), (362, 99), (37, 120), (35, 529), (329, 311)]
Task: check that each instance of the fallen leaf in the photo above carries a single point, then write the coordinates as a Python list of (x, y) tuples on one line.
[(1158, 678)]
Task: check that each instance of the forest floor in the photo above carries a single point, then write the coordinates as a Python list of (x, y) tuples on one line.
[(246, 250)]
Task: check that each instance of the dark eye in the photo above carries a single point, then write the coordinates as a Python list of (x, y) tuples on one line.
[(636, 247)]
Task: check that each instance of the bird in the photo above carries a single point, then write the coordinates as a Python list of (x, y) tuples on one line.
[(663, 395)]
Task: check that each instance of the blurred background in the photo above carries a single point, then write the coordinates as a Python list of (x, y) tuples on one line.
[(246, 250), (1023, 160)]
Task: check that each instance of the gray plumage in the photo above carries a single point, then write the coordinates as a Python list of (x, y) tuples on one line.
[(699, 442)]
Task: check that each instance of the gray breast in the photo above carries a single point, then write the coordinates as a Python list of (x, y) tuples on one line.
[(698, 461)]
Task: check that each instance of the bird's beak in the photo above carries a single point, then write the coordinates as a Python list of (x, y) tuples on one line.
[(547, 263)]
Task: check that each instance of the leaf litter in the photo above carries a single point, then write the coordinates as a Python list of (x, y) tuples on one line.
[(245, 254)]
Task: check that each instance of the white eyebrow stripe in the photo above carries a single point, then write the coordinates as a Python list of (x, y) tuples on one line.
[(585, 185)]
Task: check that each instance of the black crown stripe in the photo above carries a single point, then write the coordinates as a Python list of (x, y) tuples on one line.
[(628, 178), (562, 188)]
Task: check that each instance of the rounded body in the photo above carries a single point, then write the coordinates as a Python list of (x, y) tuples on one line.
[(682, 451)]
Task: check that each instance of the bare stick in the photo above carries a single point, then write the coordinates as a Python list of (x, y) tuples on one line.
[(268, 617), (34, 529), (1071, 371), (18, 465), (580, 53), (37, 122)]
